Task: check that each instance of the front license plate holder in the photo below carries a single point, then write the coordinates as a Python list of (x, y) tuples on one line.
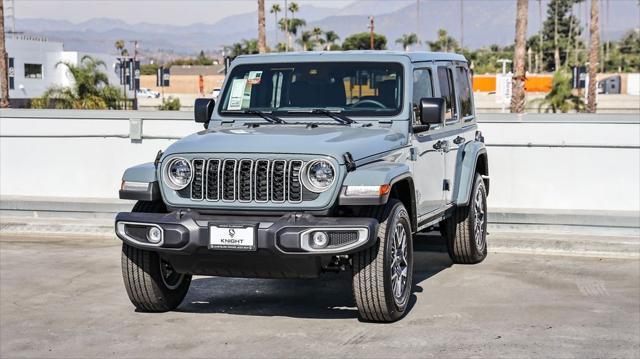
[(232, 237)]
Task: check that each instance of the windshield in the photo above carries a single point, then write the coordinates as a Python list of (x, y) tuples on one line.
[(352, 88)]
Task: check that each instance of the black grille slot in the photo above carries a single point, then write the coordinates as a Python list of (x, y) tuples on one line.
[(197, 183), (295, 187), (278, 181), (213, 168), (229, 180), (244, 180), (339, 239), (261, 177)]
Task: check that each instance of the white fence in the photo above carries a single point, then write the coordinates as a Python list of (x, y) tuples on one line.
[(537, 162)]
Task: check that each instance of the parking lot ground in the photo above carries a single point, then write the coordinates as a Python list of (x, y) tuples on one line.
[(64, 297)]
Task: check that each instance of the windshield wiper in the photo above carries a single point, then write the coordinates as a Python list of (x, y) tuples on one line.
[(267, 116), (342, 119)]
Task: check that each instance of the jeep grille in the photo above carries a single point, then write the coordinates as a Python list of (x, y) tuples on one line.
[(248, 180)]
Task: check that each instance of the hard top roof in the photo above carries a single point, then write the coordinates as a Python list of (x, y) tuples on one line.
[(357, 55)]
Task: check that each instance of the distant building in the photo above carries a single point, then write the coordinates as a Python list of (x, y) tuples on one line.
[(185, 79), (33, 66)]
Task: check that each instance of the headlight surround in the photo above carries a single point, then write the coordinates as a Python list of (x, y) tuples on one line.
[(178, 173), (319, 175)]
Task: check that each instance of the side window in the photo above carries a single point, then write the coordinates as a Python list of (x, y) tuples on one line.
[(464, 92), (422, 87), (445, 78)]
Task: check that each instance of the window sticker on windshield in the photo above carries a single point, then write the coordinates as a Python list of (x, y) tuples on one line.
[(254, 77), (237, 94)]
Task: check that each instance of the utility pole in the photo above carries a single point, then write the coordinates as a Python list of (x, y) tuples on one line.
[(556, 53), (4, 71), (132, 76), (461, 24), (371, 28), (594, 49)]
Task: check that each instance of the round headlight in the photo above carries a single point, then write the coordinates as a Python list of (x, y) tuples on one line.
[(178, 174), (319, 175)]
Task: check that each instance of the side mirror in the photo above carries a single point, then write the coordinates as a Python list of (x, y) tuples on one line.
[(432, 111), (203, 109)]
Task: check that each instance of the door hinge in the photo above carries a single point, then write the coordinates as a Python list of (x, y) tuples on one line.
[(446, 186), (413, 153)]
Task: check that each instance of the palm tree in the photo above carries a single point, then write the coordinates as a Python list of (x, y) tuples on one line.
[(293, 9), (561, 97), (90, 89), (306, 41), (275, 9), (517, 98), (330, 38), (594, 47), (407, 40), (317, 32), (119, 44), (262, 36), (4, 67), (293, 26), (444, 42)]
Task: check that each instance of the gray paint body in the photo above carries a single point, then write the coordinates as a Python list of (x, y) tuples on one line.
[(385, 150)]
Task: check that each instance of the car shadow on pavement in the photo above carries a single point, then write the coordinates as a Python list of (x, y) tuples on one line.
[(328, 297)]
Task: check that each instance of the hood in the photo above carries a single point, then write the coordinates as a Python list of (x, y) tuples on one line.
[(292, 139)]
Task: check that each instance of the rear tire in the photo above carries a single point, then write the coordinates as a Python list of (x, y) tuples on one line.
[(382, 274), (466, 230), (152, 284)]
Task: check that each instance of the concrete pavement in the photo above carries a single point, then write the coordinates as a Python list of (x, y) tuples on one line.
[(63, 297)]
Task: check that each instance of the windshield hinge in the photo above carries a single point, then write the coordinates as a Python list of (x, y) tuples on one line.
[(349, 162)]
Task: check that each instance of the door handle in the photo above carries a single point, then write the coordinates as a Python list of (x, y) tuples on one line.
[(458, 140)]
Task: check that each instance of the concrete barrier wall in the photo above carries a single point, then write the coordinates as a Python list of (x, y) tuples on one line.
[(540, 162)]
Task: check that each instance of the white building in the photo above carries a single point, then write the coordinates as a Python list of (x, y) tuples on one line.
[(33, 66)]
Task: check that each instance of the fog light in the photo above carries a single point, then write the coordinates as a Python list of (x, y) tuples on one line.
[(319, 240), (154, 235)]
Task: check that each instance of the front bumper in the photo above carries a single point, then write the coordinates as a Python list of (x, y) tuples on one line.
[(279, 248), (287, 235)]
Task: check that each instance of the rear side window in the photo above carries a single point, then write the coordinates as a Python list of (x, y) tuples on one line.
[(422, 87), (464, 92), (445, 79)]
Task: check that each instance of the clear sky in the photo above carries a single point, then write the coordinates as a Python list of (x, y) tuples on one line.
[(175, 12)]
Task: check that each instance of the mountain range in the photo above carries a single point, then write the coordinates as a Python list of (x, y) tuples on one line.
[(485, 22)]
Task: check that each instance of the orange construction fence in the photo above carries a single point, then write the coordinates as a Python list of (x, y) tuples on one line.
[(534, 83)]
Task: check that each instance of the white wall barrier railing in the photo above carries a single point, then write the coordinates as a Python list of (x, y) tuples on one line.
[(537, 161)]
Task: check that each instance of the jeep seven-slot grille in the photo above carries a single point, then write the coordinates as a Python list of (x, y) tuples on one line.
[(248, 180)]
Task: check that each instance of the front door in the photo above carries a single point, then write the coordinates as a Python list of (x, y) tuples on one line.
[(428, 155)]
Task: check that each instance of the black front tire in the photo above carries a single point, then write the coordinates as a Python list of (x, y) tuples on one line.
[(374, 290), (151, 284), (465, 232)]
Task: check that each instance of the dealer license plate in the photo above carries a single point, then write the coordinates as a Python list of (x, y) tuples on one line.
[(235, 238)]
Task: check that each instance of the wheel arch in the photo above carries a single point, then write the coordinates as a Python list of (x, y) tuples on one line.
[(474, 160)]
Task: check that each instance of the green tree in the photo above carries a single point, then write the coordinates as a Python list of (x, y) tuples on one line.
[(407, 40), (149, 69), (275, 9), (170, 104), (203, 59), (330, 38), (90, 89), (561, 97), (293, 26), (560, 35), (119, 44), (361, 41), (444, 43), (244, 47), (306, 41)]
